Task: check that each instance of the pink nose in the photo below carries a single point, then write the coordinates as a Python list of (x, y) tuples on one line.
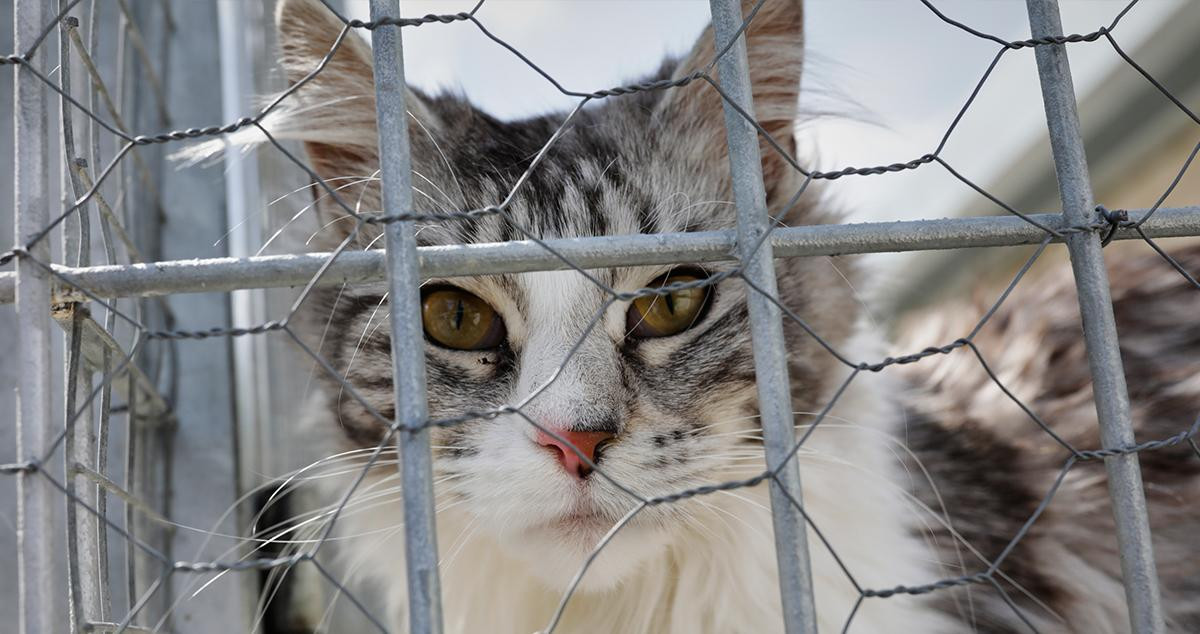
[(587, 442)]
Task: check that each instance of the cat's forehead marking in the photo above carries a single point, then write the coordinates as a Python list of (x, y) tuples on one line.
[(556, 298), (575, 370)]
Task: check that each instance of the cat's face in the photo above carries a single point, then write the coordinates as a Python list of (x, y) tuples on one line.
[(659, 392), (669, 404)]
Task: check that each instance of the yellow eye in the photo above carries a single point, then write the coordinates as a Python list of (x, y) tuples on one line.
[(457, 319), (670, 314)]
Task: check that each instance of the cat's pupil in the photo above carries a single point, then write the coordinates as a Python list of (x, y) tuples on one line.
[(459, 312)]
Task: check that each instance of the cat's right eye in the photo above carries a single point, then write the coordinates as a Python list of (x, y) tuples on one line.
[(456, 319), (669, 314)]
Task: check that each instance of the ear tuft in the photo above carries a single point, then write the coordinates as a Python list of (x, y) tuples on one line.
[(307, 32), (333, 113)]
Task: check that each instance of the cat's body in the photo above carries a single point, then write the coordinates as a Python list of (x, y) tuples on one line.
[(900, 465)]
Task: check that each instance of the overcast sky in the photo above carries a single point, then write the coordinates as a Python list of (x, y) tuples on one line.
[(890, 71)]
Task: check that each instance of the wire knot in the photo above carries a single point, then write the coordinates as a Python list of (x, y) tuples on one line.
[(29, 466), (12, 254), (1115, 219)]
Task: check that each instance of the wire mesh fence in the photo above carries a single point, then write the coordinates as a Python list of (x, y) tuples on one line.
[(121, 342)]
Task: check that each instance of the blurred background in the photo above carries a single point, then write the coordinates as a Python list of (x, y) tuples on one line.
[(884, 80)]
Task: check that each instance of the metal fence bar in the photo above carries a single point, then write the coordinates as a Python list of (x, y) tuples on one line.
[(36, 529), (276, 271), (766, 325), (1099, 326), (404, 304), (79, 449), (79, 446)]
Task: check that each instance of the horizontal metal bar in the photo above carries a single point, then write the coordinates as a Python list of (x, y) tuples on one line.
[(218, 275)]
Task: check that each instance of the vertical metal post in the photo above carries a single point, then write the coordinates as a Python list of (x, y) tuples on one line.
[(35, 524), (1099, 327), (404, 300), (79, 446), (766, 325)]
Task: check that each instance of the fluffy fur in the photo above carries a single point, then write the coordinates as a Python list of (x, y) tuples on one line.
[(898, 478), (994, 465)]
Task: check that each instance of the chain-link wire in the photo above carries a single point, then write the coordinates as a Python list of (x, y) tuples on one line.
[(98, 363)]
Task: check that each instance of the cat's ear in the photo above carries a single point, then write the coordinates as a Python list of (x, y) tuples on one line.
[(333, 111), (775, 47)]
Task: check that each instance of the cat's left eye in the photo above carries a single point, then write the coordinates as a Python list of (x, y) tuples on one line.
[(459, 320), (670, 313)]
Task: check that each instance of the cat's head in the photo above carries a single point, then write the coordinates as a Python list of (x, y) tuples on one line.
[(659, 391)]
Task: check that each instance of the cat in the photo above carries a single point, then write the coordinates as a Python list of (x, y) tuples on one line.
[(919, 473)]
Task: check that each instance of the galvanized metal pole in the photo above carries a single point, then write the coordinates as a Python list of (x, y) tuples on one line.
[(766, 325), (408, 340), (1099, 327), (35, 523), (79, 448)]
